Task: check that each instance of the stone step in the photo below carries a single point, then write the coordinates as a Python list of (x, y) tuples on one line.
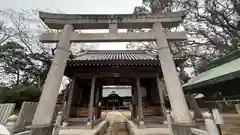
[(160, 130), (74, 130)]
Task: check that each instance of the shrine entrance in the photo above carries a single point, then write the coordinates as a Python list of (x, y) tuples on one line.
[(113, 102), (116, 97), (130, 79), (91, 70)]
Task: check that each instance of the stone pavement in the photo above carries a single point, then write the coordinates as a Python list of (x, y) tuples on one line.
[(115, 116), (160, 129), (78, 131), (134, 130), (231, 124), (116, 123)]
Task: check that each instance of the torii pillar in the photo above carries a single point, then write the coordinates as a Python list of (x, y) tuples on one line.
[(177, 99), (47, 103)]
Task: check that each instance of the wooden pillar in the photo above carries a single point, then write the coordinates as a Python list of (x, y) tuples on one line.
[(80, 95), (107, 105), (69, 102), (119, 101), (97, 95), (132, 104), (97, 101), (91, 101), (161, 94), (140, 109), (113, 28), (100, 101), (135, 101)]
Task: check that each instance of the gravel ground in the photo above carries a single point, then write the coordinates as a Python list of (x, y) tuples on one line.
[(231, 125)]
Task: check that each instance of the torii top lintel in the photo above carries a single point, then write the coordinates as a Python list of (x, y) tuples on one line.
[(102, 21)]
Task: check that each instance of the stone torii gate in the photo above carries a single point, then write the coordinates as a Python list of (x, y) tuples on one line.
[(71, 22)]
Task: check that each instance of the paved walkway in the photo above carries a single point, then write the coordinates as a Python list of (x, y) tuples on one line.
[(117, 123), (231, 124)]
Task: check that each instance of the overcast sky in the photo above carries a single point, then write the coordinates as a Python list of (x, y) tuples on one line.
[(78, 6)]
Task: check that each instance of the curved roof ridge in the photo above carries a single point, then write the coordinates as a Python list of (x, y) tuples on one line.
[(117, 55), (116, 51), (114, 55)]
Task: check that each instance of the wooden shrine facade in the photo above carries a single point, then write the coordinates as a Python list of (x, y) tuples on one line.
[(92, 70), (112, 102), (116, 97)]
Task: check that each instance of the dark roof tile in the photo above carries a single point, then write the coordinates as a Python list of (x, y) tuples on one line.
[(115, 55)]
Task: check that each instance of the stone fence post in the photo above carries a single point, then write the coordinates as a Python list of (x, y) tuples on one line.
[(42, 129), (210, 124), (169, 120), (11, 123), (57, 124), (237, 106)]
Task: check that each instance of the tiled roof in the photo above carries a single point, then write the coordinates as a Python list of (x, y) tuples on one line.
[(115, 55), (204, 66), (227, 71)]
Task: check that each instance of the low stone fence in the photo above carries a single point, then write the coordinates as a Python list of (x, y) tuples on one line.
[(31, 130), (37, 131), (42, 130), (102, 128), (131, 126), (186, 129), (24, 133), (182, 129), (95, 122), (21, 124), (196, 131), (26, 114)]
